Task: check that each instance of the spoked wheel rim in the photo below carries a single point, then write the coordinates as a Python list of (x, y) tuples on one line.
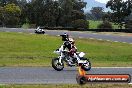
[(87, 65), (57, 64)]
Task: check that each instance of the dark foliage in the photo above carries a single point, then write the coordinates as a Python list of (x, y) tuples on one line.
[(120, 10), (50, 13), (80, 23), (128, 24), (105, 25)]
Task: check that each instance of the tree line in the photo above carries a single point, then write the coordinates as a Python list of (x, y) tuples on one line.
[(121, 12), (51, 13), (61, 13)]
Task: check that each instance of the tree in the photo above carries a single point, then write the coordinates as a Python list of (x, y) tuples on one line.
[(97, 12), (51, 13), (44, 12), (89, 16), (67, 7), (5, 2), (55, 13), (105, 25), (1, 16), (23, 4), (80, 23), (2, 3), (78, 17), (11, 14), (107, 16), (128, 25), (120, 10)]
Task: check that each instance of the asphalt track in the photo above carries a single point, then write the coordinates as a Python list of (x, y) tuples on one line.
[(47, 75), (114, 38)]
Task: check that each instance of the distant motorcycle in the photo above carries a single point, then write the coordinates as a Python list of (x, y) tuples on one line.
[(39, 31), (77, 60)]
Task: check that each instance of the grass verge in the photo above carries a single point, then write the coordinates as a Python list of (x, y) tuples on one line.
[(37, 50), (70, 86), (93, 24)]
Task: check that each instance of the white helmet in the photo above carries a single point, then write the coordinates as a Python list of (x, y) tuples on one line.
[(71, 40)]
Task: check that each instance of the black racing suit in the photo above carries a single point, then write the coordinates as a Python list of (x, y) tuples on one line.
[(72, 49)]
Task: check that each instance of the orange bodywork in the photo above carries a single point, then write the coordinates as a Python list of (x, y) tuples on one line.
[(81, 71)]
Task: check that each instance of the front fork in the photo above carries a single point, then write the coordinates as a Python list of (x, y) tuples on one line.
[(78, 59), (60, 58)]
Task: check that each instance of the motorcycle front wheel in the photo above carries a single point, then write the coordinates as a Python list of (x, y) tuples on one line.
[(86, 66), (57, 65)]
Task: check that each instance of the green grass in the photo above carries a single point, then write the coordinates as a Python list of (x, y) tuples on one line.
[(93, 24), (70, 86), (37, 50), (26, 26)]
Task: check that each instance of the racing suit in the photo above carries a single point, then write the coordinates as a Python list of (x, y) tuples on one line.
[(71, 48)]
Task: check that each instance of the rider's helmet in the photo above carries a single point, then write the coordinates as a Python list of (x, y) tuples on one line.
[(72, 41), (65, 37)]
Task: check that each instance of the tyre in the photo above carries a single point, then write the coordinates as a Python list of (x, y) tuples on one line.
[(86, 66), (56, 65), (35, 31), (81, 80), (43, 32)]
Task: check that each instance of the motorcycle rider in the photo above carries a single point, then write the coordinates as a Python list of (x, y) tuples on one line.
[(73, 47), (69, 44), (68, 53)]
